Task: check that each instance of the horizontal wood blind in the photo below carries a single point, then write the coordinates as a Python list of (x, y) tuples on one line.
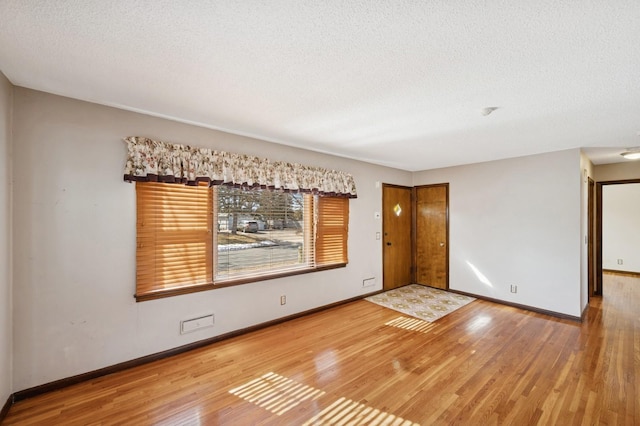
[(332, 230), (174, 237)]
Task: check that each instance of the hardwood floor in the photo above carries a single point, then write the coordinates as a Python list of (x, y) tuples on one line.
[(483, 364)]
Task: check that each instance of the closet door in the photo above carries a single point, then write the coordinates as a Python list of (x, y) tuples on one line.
[(432, 235)]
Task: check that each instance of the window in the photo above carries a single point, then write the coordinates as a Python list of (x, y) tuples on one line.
[(257, 234), (261, 232)]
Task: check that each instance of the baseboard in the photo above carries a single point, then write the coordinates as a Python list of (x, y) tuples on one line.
[(63, 383), (584, 312), (621, 273), (519, 306), (5, 408)]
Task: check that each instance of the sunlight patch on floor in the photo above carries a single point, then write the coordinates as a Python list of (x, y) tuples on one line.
[(347, 412), (275, 393), (412, 324)]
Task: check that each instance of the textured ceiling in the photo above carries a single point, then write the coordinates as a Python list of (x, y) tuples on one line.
[(398, 83)]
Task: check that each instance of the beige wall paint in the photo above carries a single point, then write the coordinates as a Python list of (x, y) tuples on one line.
[(6, 346), (617, 171), (516, 222), (74, 244)]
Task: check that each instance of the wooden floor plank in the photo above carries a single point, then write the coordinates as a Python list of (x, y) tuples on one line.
[(483, 364)]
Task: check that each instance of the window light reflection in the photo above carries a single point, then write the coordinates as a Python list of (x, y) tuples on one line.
[(478, 323), (327, 365), (190, 417), (481, 277)]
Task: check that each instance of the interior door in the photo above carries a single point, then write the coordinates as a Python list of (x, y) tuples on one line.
[(432, 235), (396, 228), (590, 238)]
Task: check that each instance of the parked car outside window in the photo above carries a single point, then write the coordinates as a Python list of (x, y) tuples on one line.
[(248, 226)]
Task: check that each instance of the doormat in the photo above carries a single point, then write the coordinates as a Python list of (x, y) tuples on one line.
[(426, 303)]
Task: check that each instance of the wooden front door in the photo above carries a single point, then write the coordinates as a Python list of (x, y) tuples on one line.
[(396, 241), (432, 235)]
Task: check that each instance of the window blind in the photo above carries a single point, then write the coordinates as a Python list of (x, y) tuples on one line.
[(174, 239), (332, 231)]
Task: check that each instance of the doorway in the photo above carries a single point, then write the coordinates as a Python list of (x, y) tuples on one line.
[(591, 263), (599, 229)]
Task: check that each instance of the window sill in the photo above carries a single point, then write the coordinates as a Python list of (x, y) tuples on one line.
[(160, 294)]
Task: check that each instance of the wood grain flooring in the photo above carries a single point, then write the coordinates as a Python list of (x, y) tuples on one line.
[(363, 364)]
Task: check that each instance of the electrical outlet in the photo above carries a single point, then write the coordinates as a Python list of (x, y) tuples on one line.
[(283, 300), (514, 288), (620, 262)]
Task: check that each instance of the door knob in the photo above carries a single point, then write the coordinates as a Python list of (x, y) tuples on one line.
[(441, 244)]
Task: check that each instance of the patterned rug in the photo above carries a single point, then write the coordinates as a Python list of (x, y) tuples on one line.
[(426, 303)]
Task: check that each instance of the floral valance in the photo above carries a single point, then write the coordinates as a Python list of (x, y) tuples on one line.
[(150, 160)]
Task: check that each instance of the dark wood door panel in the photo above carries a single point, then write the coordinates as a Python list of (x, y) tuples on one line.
[(432, 245), (396, 231)]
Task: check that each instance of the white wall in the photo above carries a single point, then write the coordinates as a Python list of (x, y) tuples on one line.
[(620, 231), (516, 221), (6, 347), (74, 242)]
